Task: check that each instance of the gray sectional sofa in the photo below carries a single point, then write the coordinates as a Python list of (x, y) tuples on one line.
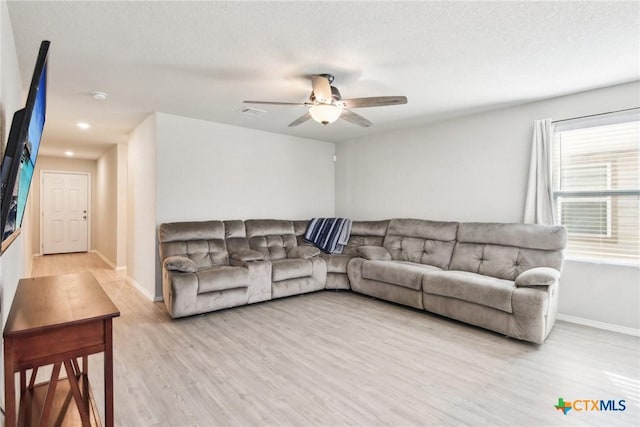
[(502, 277)]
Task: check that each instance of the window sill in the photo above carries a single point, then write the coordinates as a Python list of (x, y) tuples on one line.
[(616, 263)]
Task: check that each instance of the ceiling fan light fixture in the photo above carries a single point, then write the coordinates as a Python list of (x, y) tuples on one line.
[(326, 104), (325, 113)]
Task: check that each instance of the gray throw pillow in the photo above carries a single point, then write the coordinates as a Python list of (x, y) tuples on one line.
[(180, 263), (374, 253), (538, 276), (247, 256), (303, 252)]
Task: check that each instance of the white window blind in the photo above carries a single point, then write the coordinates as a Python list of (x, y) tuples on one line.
[(596, 186)]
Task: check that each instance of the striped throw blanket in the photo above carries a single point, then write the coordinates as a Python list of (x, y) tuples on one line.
[(330, 235)]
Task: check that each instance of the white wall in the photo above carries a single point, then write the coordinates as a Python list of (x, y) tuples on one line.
[(601, 294), (475, 168), (141, 207), (111, 206), (469, 168), (183, 169), (13, 97), (209, 170), (13, 263), (121, 228), (106, 213)]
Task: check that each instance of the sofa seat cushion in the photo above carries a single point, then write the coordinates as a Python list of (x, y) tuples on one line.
[(400, 273), (294, 268), (221, 278), (337, 263), (303, 252), (472, 287), (247, 256)]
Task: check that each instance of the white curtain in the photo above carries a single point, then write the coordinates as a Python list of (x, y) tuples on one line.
[(538, 208)]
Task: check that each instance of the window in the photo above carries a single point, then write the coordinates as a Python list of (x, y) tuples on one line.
[(572, 211), (596, 185)]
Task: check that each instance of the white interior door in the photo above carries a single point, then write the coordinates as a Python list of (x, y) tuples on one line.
[(64, 212)]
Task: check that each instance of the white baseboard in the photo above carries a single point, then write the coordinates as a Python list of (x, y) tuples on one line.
[(119, 268), (142, 290), (31, 266), (103, 258), (599, 325), (129, 279)]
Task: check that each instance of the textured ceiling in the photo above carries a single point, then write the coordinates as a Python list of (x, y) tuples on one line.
[(202, 59)]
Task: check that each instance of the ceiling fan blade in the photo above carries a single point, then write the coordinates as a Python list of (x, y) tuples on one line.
[(321, 89), (354, 118), (374, 101), (277, 103), (300, 120)]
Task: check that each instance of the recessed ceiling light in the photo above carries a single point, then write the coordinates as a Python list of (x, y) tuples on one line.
[(83, 125), (99, 96), (69, 153)]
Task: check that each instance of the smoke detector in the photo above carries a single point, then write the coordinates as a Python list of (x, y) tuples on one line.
[(99, 96)]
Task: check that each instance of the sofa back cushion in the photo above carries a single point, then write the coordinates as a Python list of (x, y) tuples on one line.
[(235, 235), (299, 229), (363, 233), (201, 241), (271, 237), (506, 250), (421, 241)]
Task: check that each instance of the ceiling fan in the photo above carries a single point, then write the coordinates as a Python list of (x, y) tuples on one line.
[(326, 104)]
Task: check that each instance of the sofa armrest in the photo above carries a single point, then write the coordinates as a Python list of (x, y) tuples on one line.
[(374, 253), (180, 292), (247, 256), (180, 263), (303, 252), (538, 276)]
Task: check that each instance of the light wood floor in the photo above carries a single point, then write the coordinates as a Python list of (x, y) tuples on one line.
[(338, 358)]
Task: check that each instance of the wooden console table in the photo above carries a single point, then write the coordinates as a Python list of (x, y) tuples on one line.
[(54, 321)]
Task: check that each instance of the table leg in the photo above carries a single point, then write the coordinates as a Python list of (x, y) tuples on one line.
[(9, 385), (34, 374), (108, 374), (85, 381), (76, 367), (23, 382), (75, 391), (51, 391)]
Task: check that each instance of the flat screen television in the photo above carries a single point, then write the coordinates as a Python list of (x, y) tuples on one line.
[(19, 160)]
